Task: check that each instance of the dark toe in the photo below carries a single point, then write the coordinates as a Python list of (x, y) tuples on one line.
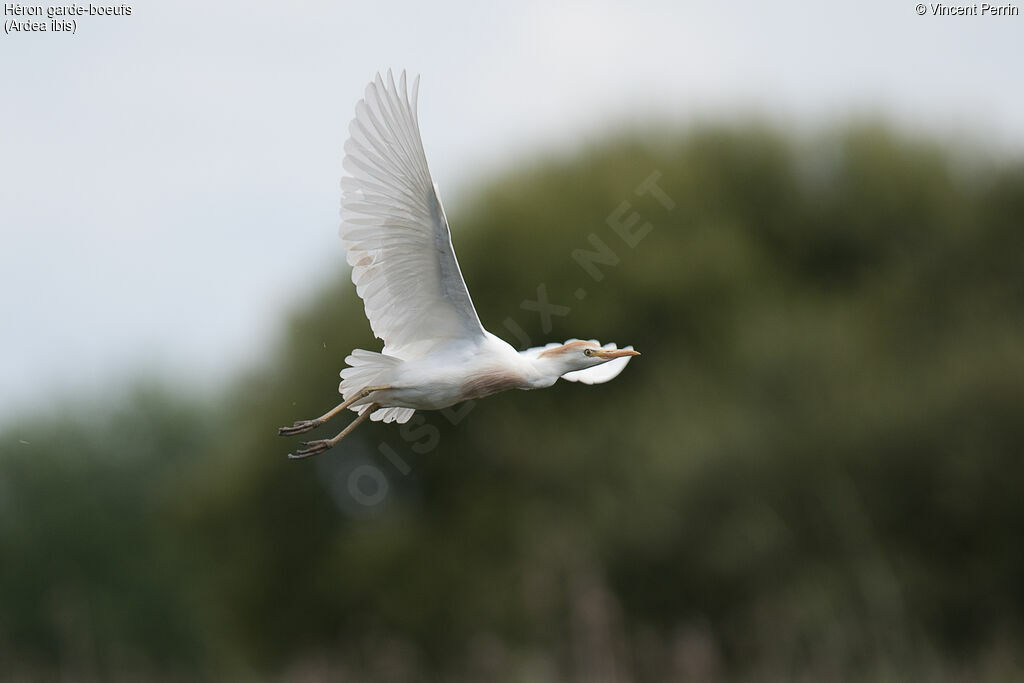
[(297, 428)]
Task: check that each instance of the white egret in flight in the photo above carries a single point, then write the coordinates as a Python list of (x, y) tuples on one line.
[(436, 353)]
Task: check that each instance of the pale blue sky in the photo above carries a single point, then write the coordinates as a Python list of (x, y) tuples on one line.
[(169, 180)]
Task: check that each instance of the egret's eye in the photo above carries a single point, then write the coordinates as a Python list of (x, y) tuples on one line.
[(588, 352)]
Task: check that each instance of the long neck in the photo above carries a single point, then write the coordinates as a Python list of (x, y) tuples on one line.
[(546, 370)]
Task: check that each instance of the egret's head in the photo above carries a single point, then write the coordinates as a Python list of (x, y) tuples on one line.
[(580, 355)]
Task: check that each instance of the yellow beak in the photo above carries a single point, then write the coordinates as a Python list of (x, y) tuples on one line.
[(608, 354)]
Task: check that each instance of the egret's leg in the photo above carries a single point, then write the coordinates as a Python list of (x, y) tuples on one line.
[(303, 426), (318, 447)]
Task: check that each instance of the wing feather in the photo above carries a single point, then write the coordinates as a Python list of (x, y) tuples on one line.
[(395, 230)]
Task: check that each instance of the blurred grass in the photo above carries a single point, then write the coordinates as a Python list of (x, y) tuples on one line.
[(813, 472)]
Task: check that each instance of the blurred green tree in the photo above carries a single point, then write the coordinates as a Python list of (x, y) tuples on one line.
[(812, 472)]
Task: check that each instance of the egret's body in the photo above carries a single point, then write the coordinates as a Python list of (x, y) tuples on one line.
[(436, 353), (456, 372)]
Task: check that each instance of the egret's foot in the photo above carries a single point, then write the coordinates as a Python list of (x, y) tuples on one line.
[(299, 427), (303, 426), (318, 447), (312, 448)]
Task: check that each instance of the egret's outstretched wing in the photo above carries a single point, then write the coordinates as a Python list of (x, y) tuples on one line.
[(395, 230), (599, 374)]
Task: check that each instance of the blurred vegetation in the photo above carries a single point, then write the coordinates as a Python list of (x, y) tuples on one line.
[(813, 473)]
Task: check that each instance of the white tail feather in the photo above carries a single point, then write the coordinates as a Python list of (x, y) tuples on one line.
[(367, 369), (399, 415)]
